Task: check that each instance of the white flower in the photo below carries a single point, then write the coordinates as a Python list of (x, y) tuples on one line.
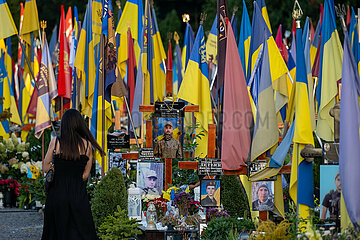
[(25, 154), (23, 168), (38, 165), (28, 164)]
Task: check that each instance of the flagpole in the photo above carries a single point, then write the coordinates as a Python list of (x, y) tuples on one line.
[(103, 106), (131, 121)]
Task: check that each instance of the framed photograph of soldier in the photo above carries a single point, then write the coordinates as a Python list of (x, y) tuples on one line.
[(263, 196), (115, 160), (167, 134), (210, 193), (150, 177), (330, 192)]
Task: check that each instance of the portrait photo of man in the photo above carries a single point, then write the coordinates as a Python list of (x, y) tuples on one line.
[(166, 145), (210, 193), (263, 196), (330, 192), (150, 178), (117, 161)]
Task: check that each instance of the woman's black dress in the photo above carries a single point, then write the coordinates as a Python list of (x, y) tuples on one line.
[(67, 209)]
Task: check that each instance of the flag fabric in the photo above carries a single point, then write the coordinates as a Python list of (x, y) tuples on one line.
[(53, 43), (262, 6), (65, 72), (30, 21), (222, 17), (43, 119), (73, 46), (148, 58), (234, 25), (237, 112), (85, 61), (307, 46), (330, 72), (7, 26), (316, 41), (69, 26), (24, 97), (354, 37), (187, 47), (131, 70), (349, 162), (169, 72), (278, 69), (158, 60), (244, 38), (179, 66), (97, 9), (132, 16), (280, 44), (7, 92), (266, 133), (101, 118), (301, 179), (277, 159), (211, 44), (195, 89)]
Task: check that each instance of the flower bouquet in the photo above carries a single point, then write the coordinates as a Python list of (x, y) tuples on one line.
[(182, 201), (160, 205)]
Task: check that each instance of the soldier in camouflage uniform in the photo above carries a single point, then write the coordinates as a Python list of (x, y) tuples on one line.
[(168, 147)]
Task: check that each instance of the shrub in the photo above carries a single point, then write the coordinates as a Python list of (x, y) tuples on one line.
[(109, 193), (233, 196), (219, 228), (118, 226)]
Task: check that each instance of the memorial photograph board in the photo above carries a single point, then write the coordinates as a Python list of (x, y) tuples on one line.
[(150, 177), (210, 193), (263, 196), (330, 192)]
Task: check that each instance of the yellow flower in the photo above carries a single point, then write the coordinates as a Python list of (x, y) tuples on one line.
[(32, 168)]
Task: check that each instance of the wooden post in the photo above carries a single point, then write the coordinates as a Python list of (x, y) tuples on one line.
[(149, 134), (211, 140), (117, 120), (168, 172)]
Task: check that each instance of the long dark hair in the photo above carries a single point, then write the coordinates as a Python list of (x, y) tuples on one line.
[(73, 130)]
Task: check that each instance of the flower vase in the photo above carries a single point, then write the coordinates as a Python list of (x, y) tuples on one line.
[(7, 199)]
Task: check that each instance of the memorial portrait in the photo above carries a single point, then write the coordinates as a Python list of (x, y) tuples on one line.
[(115, 160), (150, 177), (263, 196), (210, 193), (330, 192)]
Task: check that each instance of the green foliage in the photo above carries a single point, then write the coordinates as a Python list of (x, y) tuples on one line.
[(31, 190), (109, 193), (233, 196), (118, 226), (190, 138), (183, 176), (219, 228), (35, 152)]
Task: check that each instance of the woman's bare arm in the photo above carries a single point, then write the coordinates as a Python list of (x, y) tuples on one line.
[(49, 156), (87, 169)]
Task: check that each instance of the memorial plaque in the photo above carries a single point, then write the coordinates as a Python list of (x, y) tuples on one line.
[(118, 141), (146, 154), (210, 166), (256, 166), (169, 109)]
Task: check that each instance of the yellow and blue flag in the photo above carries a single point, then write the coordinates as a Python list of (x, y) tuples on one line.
[(158, 61), (30, 22), (8, 92), (264, 13), (301, 178), (43, 118), (211, 43), (330, 72), (278, 69), (244, 38), (7, 26), (195, 89), (265, 134), (85, 61), (187, 47)]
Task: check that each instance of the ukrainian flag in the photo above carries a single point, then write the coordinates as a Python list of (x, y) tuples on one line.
[(244, 38), (188, 45), (7, 26), (195, 89), (301, 178), (330, 72), (158, 61), (264, 12), (30, 22), (316, 41), (211, 43), (132, 17), (85, 61), (8, 92), (278, 69)]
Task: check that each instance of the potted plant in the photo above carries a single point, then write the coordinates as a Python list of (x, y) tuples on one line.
[(10, 189), (190, 142), (182, 201)]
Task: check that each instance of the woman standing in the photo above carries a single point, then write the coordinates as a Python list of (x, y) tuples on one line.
[(67, 209)]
